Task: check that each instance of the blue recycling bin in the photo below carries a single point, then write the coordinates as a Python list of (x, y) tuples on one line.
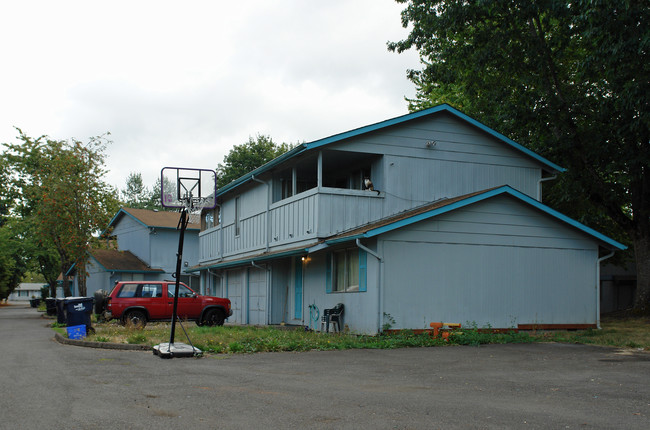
[(78, 311)]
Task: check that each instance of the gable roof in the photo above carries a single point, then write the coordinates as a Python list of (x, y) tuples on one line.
[(113, 260), (153, 219), (448, 205), (548, 165)]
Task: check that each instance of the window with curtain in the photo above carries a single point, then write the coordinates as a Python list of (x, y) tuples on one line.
[(345, 270)]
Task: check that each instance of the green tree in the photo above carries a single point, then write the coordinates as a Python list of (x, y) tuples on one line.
[(62, 195), (245, 158), (13, 263), (571, 80), (135, 194)]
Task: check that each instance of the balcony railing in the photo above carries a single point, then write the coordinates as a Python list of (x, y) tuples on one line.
[(306, 216)]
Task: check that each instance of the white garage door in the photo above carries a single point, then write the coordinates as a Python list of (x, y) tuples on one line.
[(234, 288), (257, 296)]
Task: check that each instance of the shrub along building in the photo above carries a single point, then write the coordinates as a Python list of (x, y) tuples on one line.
[(147, 243), (431, 216)]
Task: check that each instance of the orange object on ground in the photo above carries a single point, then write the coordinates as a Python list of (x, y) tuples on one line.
[(436, 326)]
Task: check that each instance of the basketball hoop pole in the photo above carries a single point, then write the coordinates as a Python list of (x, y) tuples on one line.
[(182, 225), (177, 188)]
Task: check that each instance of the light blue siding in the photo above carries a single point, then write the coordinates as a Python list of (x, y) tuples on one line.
[(133, 236), (480, 266), (361, 308)]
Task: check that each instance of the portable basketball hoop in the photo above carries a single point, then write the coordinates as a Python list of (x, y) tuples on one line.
[(188, 190)]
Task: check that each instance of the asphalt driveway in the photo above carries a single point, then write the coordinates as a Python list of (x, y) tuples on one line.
[(45, 384)]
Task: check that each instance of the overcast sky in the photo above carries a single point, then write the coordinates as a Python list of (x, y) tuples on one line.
[(179, 83)]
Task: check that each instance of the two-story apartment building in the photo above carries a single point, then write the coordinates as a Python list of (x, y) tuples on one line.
[(452, 229)]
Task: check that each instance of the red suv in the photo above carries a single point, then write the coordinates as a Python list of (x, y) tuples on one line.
[(140, 301)]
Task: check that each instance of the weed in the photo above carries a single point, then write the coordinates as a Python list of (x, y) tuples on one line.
[(137, 338), (389, 322), (244, 339)]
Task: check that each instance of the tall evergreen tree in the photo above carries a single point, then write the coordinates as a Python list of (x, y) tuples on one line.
[(570, 80)]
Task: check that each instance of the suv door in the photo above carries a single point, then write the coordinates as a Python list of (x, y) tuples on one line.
[(151, 296), (189, 305)]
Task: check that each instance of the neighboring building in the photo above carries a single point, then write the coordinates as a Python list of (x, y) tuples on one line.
[(147, 243), (617, 287), (452, 230), (25, 291)]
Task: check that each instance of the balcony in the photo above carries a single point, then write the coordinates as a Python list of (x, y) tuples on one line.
[(302, 218)]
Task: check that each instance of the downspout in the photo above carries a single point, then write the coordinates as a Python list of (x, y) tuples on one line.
[(268, 210), (600, 260), (380, 283), (539, 186)]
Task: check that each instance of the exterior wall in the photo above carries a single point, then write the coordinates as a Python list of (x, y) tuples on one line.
[(464, 159), (163, 245), (495, 263), (157, 247), (361, 312), (25, 291), (98, 279), (406, 170), (133, 236)]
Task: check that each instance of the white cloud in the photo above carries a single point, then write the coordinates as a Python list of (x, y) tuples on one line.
[(181, 83)]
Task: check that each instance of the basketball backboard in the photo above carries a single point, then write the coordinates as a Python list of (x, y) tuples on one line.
[(192, 189)]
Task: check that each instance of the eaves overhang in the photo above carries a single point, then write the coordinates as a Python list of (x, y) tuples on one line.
[(263, 168), (259, 258)]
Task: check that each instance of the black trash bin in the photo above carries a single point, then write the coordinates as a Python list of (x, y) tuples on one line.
[(78, 311), (50, 306), (34, 302), (60, 311)]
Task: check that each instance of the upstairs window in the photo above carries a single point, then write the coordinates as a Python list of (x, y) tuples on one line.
[(237, 215), (210, 218)]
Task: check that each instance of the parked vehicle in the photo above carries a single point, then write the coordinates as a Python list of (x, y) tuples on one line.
[(137, 302)]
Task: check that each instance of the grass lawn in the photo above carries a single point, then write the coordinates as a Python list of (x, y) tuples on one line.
[(620, 332), (624, 332)]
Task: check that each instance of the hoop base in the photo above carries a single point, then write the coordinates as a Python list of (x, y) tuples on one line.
[(176, 350)]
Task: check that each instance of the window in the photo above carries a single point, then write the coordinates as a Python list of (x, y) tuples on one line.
[(151, 290), (141, 290), (183, 291), (237, 215), (210, 218), (346, 271), (128, 290)]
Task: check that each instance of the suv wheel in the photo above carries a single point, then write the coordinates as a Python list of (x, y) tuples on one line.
[(214, 317), (135, 318)]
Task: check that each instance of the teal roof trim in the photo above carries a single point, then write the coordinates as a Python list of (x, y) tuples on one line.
[(117, 216), (440, 108), (477, 198), (249, 260), (247, 177), (383, 124), (71, 270)]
